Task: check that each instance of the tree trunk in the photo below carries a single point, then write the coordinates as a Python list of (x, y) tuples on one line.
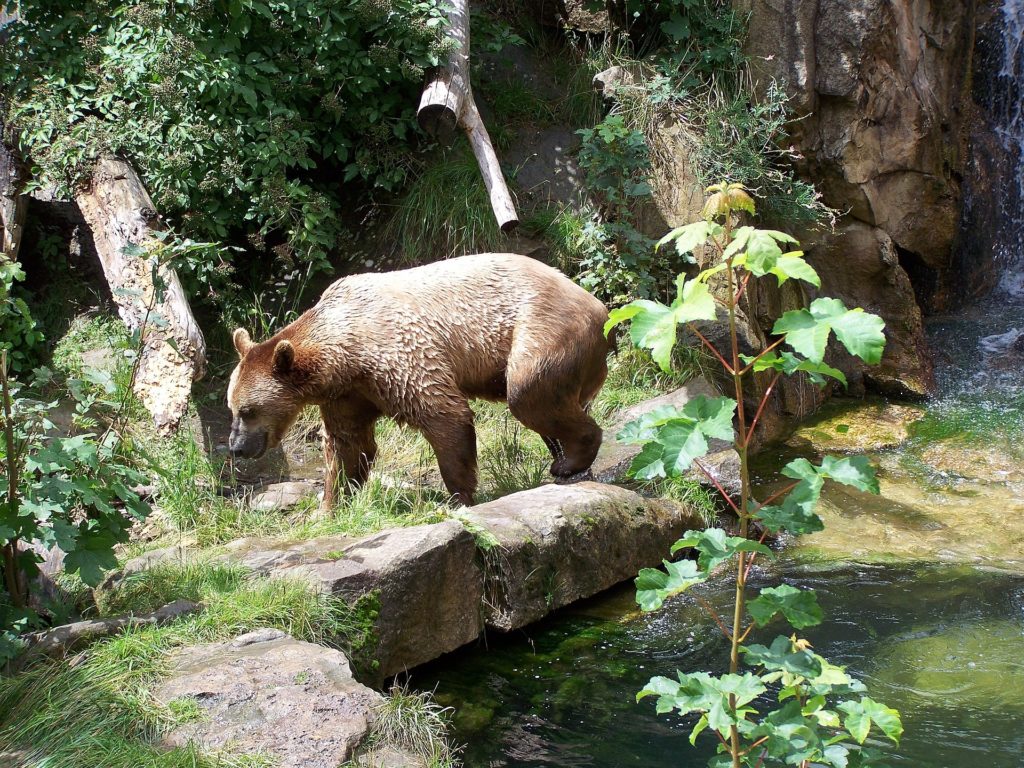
[(122, 218), (447, 102), (13, 204)]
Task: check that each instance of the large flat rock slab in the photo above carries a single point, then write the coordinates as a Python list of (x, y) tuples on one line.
[(425, 577), (613, 460), (265, 692), (550, 546)]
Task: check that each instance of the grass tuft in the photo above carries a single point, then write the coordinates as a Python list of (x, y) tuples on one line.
[(445, 212), (416, 724)]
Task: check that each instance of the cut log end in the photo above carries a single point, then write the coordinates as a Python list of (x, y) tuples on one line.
[(438, 120)]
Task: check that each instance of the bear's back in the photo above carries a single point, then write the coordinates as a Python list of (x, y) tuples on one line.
[(456, 319)]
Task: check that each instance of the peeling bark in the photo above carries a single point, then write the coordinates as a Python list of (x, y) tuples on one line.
[(120, 214)]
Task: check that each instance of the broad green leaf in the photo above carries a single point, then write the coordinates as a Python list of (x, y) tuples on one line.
[(793, 266), (654, 586), (763, 253), (784, 656), (621, 315), (855, 471), (788, 363), (795, 513), (714, 415), (93, 554), (807, 330), (861, 714), (789, 735), (799, 606), (654, 328), (805, 334), (694, 302), (687, 238), (676, 437), (716, 546)]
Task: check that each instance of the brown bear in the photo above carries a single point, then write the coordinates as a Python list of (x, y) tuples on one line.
[(416, 345)]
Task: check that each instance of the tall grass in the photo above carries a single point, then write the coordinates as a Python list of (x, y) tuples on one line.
[(414, 723), (96, 709), (445, 212)]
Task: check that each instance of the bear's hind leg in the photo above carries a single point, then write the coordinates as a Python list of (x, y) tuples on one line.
[(453, 439)]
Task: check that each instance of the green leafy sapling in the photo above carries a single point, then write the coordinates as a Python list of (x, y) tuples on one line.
[(822, 717)]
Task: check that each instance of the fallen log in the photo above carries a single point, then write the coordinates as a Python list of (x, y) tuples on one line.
[(124, 225), (447, 102)]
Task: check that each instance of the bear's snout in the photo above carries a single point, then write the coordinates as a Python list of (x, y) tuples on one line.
[(246, 445)]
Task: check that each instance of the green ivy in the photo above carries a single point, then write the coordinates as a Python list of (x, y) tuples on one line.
[(19, 333), (262, 118)]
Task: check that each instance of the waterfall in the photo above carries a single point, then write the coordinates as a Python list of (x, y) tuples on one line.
[(1007, 104)]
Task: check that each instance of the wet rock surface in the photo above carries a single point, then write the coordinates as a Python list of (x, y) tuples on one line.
[(553, 545), (856, 426)]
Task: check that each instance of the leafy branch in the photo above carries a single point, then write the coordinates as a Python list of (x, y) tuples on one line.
[(806, 728)]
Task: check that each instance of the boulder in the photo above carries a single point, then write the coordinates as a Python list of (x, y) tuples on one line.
[(880, 86), (265, 692), (425, 577), (845, 427), (614, 458), (550, 546), (70, 637), (282, 496)]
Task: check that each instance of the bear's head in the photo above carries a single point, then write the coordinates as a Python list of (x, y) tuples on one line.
[(264, 395)]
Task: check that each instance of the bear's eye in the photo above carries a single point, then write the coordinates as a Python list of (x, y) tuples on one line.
[(246, 413)]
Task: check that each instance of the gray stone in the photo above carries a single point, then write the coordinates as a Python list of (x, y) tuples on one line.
[(267, 693), (607, 80), (426, 578), (173, 554), (428, 584), (267, 556), (614, 458), (556, 544), (69, 637), (282, 496)]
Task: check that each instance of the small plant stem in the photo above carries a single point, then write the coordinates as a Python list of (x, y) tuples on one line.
[(773, 497), (743, 287), (760, 408), (712, 347), (14, 586), (718, 485), (762, 353), (721, 624), (741, 449), (753, 556)]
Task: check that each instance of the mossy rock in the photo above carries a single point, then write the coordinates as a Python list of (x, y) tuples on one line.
[(973, 665), (855, 427)]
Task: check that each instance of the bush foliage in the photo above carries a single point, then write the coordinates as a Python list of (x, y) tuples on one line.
[(242, 116)]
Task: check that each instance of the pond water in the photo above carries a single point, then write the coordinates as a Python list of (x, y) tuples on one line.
[(943, 645)]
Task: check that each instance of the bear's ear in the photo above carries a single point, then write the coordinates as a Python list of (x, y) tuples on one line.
[(284, 357), (242, 341)]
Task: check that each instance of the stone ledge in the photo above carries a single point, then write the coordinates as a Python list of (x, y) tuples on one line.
[(557, 544)]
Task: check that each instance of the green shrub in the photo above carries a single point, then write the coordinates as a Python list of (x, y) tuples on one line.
[(240, 116)]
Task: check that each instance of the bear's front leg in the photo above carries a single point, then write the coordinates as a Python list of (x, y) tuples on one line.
[(349, 447)]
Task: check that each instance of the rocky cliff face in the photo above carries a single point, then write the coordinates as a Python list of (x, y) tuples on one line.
[(883, 88)]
